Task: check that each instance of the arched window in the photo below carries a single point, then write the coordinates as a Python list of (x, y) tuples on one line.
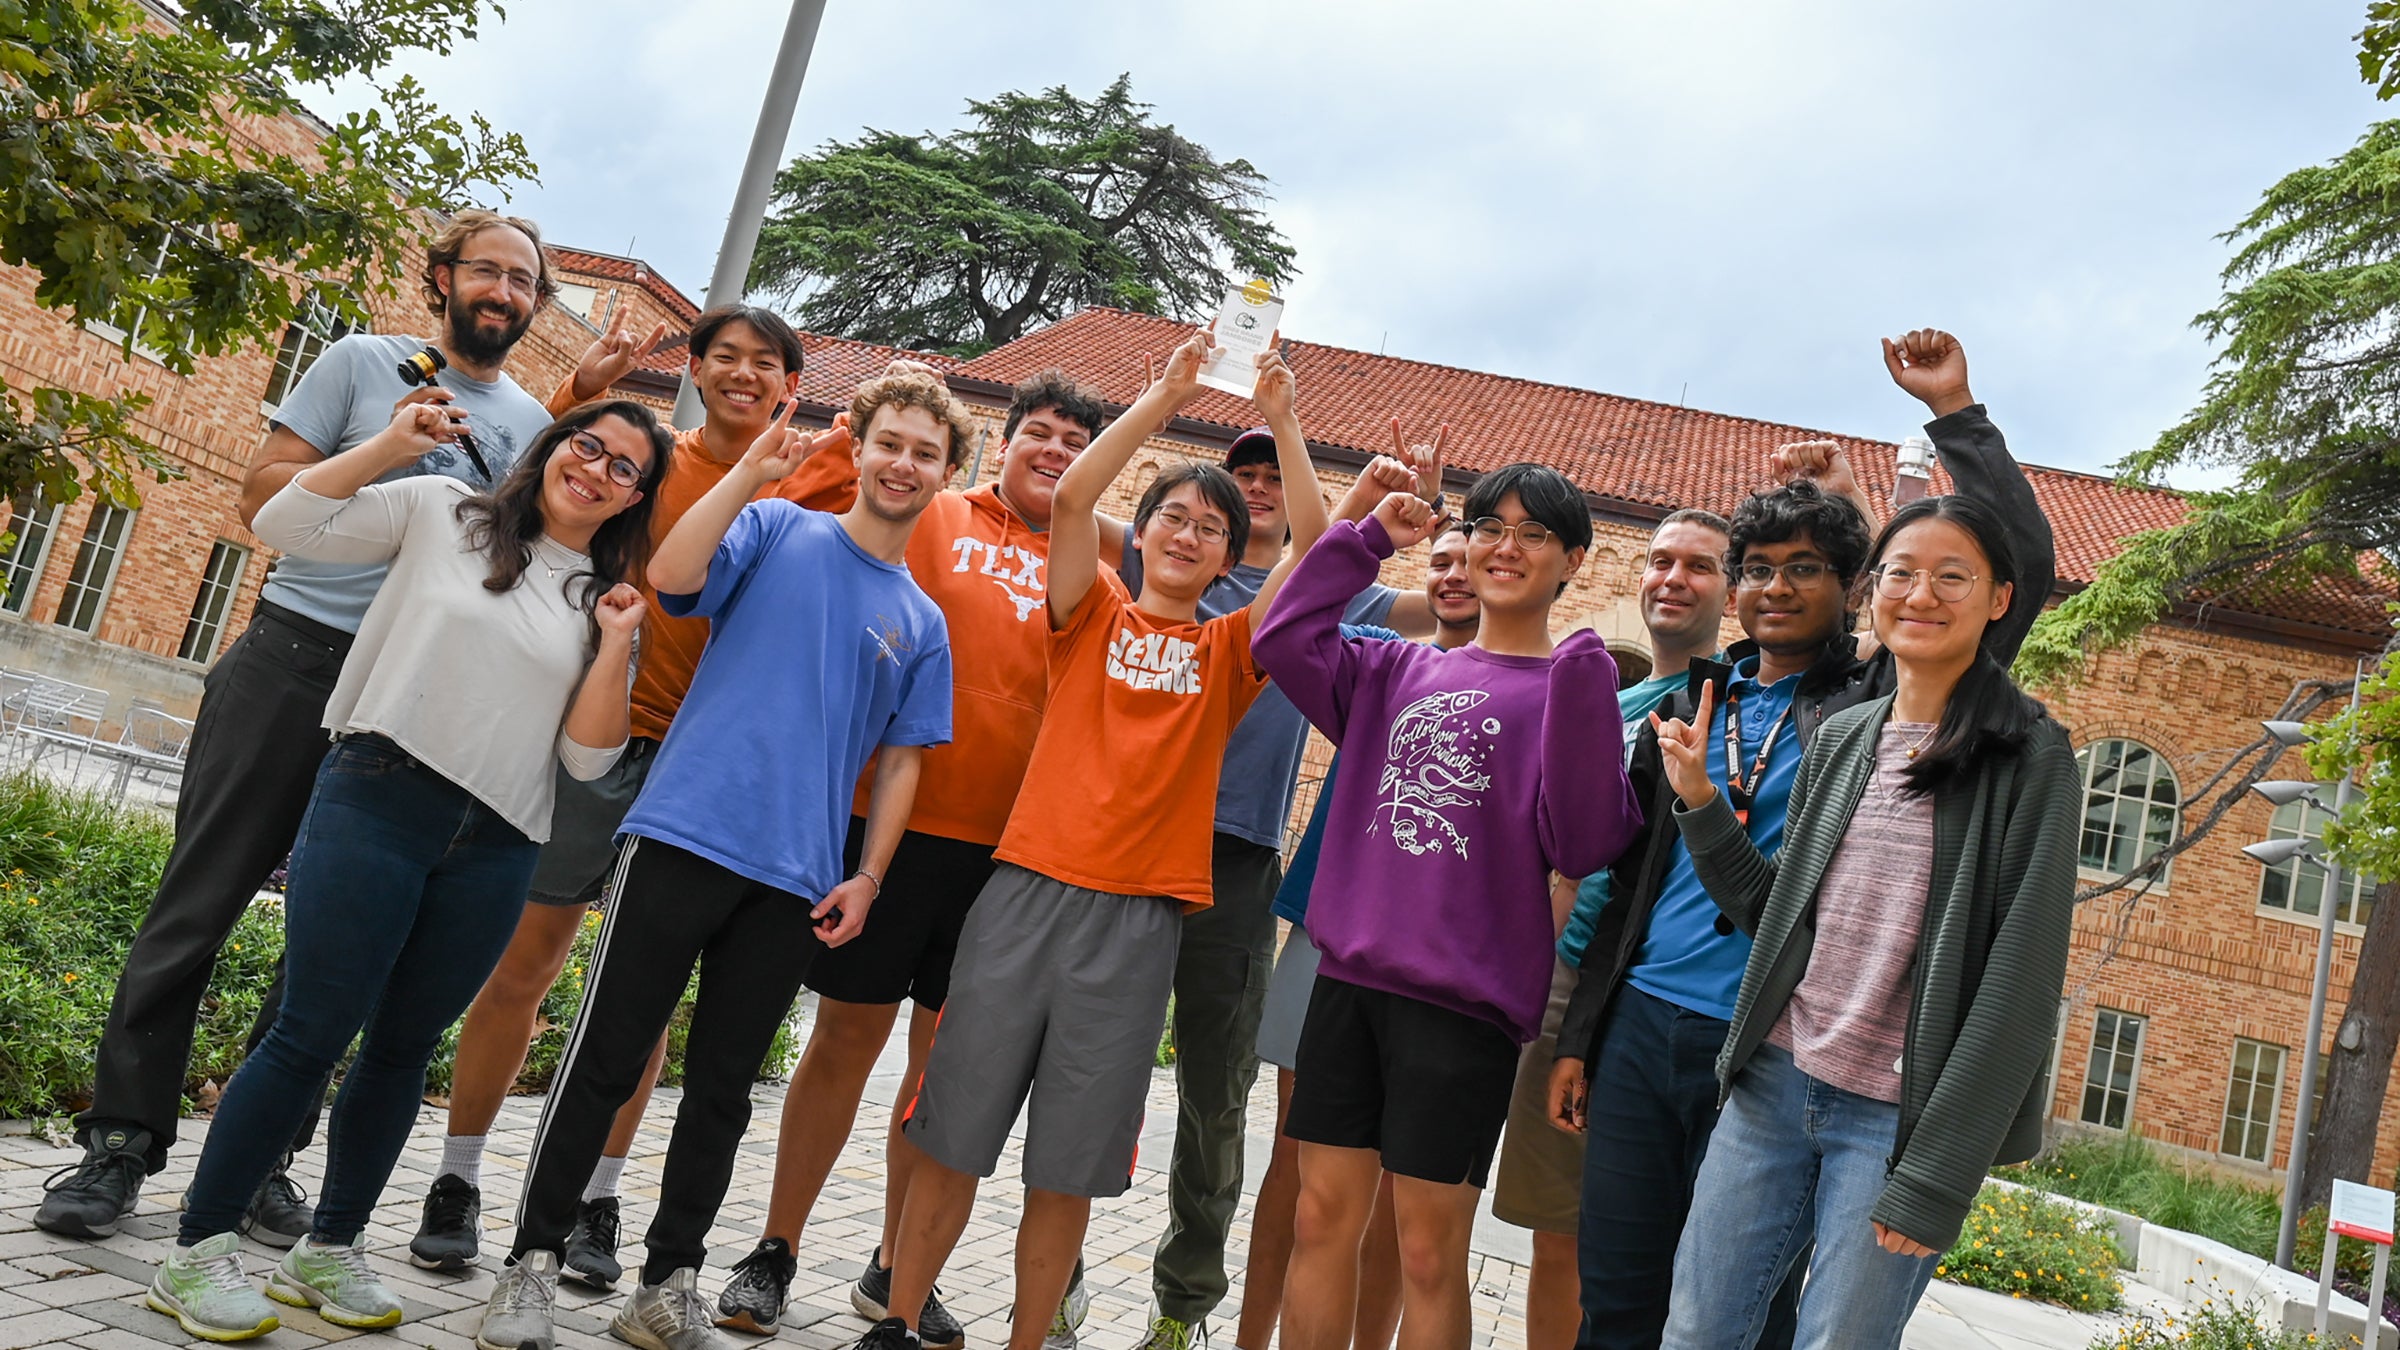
[(2296, 887), (2131, 805)]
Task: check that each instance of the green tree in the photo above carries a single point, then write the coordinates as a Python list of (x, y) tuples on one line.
[(2303, 404), (133, 180), (961, 242)]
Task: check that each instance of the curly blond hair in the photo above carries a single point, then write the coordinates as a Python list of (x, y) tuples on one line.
[(913, 388)]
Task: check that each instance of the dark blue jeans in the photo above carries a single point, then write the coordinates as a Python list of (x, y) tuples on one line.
[(1653, 1107), (404, 890)]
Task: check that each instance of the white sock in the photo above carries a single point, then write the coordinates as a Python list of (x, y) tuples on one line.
[(462, 1157), (605, 1173)]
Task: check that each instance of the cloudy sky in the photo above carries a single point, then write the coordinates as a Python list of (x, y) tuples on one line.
[(1686, 200)]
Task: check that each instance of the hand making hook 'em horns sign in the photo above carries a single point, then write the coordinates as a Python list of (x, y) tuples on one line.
[(1425, 459), (612, 356), (1684, 747)]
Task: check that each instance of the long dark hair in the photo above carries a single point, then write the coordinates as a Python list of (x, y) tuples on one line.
[(1987, 714), (503, 523)]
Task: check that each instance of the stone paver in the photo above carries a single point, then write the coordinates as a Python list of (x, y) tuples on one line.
[(57, 1291)]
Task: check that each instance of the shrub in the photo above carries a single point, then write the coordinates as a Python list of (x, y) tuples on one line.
[(2028, 1246), (76, 875), (2217, 1322)]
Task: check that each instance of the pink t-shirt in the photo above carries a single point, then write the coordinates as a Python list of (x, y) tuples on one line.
[(1848, 1018)]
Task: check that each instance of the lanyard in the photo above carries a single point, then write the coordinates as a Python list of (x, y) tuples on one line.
[(1740, 789)]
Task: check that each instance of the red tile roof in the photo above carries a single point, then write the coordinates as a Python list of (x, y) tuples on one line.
[(614, 268), (1651, 457)]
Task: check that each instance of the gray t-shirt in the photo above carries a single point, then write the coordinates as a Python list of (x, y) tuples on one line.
[(1262, 758), (345, 398)]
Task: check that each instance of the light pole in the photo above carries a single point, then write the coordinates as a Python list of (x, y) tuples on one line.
[(2274, 852), (732, 276)]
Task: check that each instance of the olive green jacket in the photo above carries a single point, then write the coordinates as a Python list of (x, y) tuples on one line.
[(1991, 956)]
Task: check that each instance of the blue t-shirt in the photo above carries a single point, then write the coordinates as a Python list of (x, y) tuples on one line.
[(1291, 898), (1688, 959), (1635, 703), (817, 653), (1262, 757), (345, 398)]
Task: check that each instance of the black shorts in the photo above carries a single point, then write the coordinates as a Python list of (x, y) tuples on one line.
[(912, 932), (1426, 1087)]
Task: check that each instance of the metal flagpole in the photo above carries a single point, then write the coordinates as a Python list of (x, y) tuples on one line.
[(758, 175)]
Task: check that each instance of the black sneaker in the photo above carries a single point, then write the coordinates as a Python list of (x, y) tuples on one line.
[(592, 1246), (935, 1326), (889, 1334), (88, 1199), (450, 1236), (754, 1296), (279, 1214)]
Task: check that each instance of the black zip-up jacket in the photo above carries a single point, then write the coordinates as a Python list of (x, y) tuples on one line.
[(1977, 459)]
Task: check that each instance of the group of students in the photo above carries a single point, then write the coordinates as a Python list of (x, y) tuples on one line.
[(793, 712)]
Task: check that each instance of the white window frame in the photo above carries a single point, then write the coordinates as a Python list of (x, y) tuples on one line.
[(103, 328), (15, 603), (2285, 824), (76, 588), (2233, 1083), (220, 591), (2133, 1078), (2087, 762), (316, 324)]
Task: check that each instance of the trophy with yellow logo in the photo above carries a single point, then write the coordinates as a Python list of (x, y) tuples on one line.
[(1246, 323)]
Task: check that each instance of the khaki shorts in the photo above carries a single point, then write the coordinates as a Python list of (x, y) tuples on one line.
[(1541, 1166)]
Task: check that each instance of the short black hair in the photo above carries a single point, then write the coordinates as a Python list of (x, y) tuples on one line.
[(765, 322), (1546, 494), (1801, 509), (1217, 488), (1053, 390)]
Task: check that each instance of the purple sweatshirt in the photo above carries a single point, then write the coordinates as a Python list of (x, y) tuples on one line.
[(1471, 777)]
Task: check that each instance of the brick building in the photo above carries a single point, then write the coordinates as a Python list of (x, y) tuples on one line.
[(2184, 1005)]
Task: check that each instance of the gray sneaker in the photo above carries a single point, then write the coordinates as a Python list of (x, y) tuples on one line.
[(1072, 1309), (337, 1282), (669, 1316), (518, 1315), (203, 1288)]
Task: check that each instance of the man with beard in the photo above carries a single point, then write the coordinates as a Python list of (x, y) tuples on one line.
[(257, 742)]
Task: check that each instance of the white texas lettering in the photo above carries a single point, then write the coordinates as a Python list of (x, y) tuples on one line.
[(1154, 661)]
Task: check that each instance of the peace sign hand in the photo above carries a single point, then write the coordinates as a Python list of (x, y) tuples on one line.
[(1684, 747), (612, 356)]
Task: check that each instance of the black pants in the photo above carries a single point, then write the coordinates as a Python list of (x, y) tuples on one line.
[(248, 771), (672, 910), (1653, 1107)]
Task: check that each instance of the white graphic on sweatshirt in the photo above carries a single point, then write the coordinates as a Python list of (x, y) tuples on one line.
[(1434, 761), (1013, 569), (1154, 661)]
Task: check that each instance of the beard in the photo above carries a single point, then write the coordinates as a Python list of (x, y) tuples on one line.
[(470, 338)]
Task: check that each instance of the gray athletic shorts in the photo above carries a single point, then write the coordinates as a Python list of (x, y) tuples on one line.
[(1287, 1001), (1059, 993), (574, 867)]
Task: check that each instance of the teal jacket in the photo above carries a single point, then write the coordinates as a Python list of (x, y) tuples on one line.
[(1991, 957)]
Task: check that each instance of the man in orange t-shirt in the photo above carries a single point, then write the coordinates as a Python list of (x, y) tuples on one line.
[(982, 554), (744, 361), (1059, 992)]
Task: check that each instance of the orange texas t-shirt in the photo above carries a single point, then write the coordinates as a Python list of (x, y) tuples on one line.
[(1121, 795), (671, 646)]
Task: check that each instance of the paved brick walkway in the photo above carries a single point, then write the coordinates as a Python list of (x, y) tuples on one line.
[(56, 1291)]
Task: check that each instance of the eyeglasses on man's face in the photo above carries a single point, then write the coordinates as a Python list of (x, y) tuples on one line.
[(491, 273), (1531, 535), (1174, 518), (1799, 575)]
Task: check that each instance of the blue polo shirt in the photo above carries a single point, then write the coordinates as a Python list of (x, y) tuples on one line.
[(1686, 959)]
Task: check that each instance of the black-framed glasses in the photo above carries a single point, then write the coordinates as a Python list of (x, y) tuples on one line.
[(1174, 518), (1531, 535), (489, 272), (1799, 575), (591, 450), (1894, 582)]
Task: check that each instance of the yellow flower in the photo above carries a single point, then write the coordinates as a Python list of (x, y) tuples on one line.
[(70, 977)]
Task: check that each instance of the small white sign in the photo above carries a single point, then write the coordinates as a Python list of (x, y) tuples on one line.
[(2361, 1212), (1246, 323)]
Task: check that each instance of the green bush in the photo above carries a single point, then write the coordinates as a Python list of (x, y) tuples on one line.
[(2127, 1173), (2217, 1322), (76, 875), (2025, 1245)]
